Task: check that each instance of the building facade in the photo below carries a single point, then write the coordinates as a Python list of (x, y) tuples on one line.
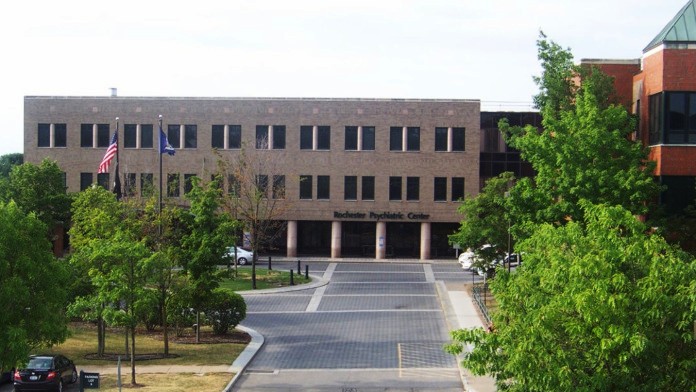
[(362, 177)]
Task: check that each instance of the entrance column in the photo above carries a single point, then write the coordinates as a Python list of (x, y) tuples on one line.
[(381, 241), (335, 239), (292, 239), (425, 241)]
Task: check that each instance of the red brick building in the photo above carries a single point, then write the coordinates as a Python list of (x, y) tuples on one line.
[(660, 88)]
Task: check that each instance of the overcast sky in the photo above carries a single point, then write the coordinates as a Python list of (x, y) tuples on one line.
[(469, 49)]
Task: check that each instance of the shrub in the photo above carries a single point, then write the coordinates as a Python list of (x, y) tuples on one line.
[(225, 310)]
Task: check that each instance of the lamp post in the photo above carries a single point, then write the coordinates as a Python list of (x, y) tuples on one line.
[(509, 259)]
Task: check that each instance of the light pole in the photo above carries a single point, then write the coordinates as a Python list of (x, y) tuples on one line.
[(509, 259)]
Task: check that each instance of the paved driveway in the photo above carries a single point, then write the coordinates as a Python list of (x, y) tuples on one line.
[(374, 327)]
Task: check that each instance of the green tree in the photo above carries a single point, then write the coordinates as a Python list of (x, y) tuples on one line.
[(205, 243), (8, 161), (32, 293), (598, 306)]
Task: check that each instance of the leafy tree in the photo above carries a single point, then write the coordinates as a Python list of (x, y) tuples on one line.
[(599, 305), (32, 294), (205, 243), (8, 161)]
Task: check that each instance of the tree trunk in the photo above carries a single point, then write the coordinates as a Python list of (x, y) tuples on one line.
[(132, 356), (165, 328), (198, 326), (100, 336)]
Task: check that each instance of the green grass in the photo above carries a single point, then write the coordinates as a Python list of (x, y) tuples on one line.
[(167, 382), (265, 279)]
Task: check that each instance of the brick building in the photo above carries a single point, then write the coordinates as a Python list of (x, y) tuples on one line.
[(362, 177), (660, 88)]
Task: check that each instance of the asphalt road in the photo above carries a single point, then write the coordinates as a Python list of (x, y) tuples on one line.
[(374, 327)]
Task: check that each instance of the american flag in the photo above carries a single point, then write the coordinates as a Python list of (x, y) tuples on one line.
[(110, 152)]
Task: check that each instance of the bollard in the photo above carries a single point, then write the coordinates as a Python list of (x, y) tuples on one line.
[(306, 271), (82, 381), (269, 264), (292, 281), (299, 270)]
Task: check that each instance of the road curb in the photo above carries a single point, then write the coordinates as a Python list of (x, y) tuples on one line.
[(317, 281), (243, 360)]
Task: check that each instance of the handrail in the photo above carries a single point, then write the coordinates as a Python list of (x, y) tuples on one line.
[(481, 302)]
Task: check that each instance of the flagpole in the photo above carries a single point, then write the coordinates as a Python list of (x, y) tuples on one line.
[(160, 175), (117, 180)]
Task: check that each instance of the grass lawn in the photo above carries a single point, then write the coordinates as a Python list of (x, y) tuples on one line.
[(167, 382), (265, 279)]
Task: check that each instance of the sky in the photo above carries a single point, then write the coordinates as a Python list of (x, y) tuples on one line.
[(465, 49)]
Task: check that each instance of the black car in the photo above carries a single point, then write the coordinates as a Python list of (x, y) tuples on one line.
[(45, 373)]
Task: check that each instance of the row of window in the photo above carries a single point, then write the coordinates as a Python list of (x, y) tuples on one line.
[(310, 186), (672, 118), (356, 138)]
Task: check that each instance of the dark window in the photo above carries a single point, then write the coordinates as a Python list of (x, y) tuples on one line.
[(262, 184), (233, 186), (440, 139), (351, 143), (85, 180), (129, 184), (173, 131), (44, 135), (440, 188), (368, 139), (680, 121), (65, 180), (146, 135), (306, 137), (190, 136), (173, 185), (279, 137), (188, 183), (396, 139), (147, 187), (235, 136), (458, 139), (217, 139), (262, 137), (130, 136), (412, 188), (368, 188), (86, 137), (350, 188), (457, 188), (305, 187), (655, 108), (103, 180), (323, 137), (394, 188), (413, 139), (278, 187), (61, 135), (103, 137), (323, 187)]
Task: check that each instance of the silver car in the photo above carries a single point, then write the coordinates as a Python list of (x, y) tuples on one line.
[(244, 256)]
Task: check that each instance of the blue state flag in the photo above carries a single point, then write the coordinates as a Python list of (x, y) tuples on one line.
[(164, 145)]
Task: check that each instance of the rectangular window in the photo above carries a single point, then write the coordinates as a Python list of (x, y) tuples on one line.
[(457, 188), (147, 187), (440, 139), (61, 135), (396, 139), (262, 137), (350, 188), (412, 188), (44, 135), (85, 181), (440, 189), (86, 137), (413, 139), (306, 137), (262, 184), (458, 138), (351, 140), (368, 139), (217, 139), (173, 132), (233, 186), (103, 137), (279, 137), (680, 118), (103, 180), (394, 188), (323, 188), (368, 188), (188, 183), (130, 136), (146, 135), (129, 184), (306, 187), (190, 136), (235, 136), (655, 109), (278, 187), (65, 180), (323, 137), (173, 185)]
